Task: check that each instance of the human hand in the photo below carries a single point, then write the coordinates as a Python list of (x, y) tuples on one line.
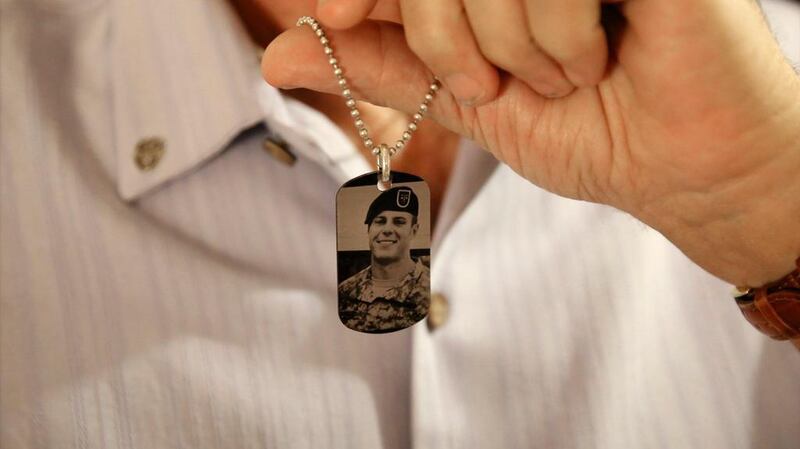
[(551, 45), (688, 131)]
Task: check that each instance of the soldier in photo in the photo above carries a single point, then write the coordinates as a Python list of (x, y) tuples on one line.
[(393, 292)]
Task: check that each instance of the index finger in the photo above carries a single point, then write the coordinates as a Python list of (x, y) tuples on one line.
[(343, 14), (570, 31)]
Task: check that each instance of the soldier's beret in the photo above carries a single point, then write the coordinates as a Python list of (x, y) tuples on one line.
[(400, 199)]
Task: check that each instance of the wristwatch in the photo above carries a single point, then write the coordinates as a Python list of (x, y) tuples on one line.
[(774, 309)]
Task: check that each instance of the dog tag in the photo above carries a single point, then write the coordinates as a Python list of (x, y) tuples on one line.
[(383, 252)]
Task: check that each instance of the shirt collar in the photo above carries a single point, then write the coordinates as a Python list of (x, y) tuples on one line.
[(186, 72), (183, 71), (311, 134)]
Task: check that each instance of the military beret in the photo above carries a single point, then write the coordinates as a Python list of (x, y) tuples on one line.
[(400, 199)]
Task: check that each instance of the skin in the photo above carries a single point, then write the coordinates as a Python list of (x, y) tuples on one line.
[(692, 129), (390, 236)]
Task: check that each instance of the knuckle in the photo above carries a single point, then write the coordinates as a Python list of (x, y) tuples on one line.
[(570, 47), (508, 54)]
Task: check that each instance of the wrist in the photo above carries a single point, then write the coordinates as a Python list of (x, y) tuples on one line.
[(749, 248), (746, 232)]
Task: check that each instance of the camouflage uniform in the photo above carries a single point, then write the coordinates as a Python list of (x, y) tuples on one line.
[(400, 307)]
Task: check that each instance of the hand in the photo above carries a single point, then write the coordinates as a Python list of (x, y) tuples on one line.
[(551, 45), (693, 130)]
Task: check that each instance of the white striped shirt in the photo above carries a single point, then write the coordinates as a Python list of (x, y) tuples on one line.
[(194, 305)]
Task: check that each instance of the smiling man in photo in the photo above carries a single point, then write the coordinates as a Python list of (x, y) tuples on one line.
[(393, 292)]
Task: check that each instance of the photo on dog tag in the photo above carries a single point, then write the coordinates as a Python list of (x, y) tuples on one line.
[(383, 252)]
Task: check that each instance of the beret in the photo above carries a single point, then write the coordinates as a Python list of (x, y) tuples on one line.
[(400, 199)]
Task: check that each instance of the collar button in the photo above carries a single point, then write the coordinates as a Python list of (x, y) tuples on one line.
[(279, 150), (148, 153)]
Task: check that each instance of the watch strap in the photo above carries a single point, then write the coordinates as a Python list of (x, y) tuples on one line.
[(774, 309)]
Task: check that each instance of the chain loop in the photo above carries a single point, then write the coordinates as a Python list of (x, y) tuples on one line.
[(383, 152), (385, 164)]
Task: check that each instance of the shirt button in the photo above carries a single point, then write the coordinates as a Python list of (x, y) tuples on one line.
[(279, 150), (148, 153), (438, 312)]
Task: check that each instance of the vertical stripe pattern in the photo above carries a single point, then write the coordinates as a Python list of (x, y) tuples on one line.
[(194, 306)]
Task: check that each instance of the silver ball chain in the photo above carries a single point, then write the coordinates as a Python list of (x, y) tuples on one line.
[(383, 152)]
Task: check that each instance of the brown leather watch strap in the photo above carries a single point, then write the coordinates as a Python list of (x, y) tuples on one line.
[(774, 309)]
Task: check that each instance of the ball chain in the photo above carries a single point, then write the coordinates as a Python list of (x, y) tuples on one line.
[(351, 102)]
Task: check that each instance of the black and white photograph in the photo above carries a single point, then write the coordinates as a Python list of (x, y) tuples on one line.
[(383, 242)]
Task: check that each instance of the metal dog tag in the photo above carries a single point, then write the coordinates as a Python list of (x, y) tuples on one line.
[(383, 252)]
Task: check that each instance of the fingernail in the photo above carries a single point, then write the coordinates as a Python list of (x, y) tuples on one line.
[(558, 89), (553, 92), (466, 90)]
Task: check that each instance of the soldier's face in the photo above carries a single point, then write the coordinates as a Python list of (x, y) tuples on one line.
[(390, 235)]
